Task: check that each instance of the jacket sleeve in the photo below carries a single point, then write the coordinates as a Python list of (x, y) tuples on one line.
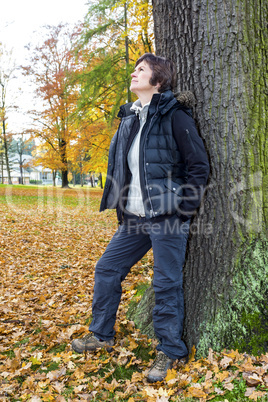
[(194, 155)]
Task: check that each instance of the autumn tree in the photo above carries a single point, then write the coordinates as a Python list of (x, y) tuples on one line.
[(220, 50), (51, 65), (6, 74), (114, 34)]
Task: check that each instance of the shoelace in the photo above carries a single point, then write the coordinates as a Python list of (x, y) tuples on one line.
[(88, 336), (161, 361)]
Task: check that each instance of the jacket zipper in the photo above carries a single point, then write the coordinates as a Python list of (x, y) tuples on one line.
[(144, 162)]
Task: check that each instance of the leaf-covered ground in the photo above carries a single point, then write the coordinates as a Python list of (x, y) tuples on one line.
[(50, 240)]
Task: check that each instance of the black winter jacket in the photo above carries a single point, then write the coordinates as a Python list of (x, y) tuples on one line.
[(173, 162)]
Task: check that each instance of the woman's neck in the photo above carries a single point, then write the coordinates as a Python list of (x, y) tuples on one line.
[(146, 97)]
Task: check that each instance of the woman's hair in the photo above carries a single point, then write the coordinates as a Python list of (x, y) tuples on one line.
[(163, 71)]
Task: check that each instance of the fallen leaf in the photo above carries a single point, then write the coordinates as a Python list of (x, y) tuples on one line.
[(35, 398), (257, 394), (226, 361), (192, 354), (229, 386), (55, 375), (171, 374), (252, 379), (196, 392)]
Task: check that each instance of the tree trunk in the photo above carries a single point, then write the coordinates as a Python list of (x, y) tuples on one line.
[(21, 175), (5, 140), (101, 181), (2, 163), (220, 50), (63, 156), (21, 162), (127, 53), (64, 178), (92, 181), (54, 172)]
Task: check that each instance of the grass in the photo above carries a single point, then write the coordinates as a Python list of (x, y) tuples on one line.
[(42, 196)]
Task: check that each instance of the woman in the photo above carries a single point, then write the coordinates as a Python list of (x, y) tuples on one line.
[(157, 171)]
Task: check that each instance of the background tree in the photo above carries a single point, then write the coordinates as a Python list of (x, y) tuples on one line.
[(51, 64), (6, 74), (2, 160), (48, 157), (22, 146), (220, 50), (115, 33)]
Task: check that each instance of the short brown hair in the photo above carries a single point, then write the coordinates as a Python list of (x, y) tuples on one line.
[(163, 71)]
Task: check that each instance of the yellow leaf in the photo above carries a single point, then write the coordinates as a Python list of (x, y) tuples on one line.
[(171, 374), (111, 387), (233, 354), (35, 360), (137, 377), (48, 398), (196, 392), (222, 376), (192, 354), (132, 344), (78, 373)]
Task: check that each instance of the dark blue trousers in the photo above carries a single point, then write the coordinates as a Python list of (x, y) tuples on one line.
[(130, 243)]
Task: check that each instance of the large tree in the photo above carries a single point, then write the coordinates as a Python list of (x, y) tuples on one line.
[(220, 50)]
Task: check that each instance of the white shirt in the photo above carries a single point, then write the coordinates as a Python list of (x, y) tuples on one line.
[(134, 200)]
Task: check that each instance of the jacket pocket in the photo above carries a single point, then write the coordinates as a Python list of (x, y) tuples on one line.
[(173, 186)]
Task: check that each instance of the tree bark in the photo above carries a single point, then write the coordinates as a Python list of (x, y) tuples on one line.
[(2, 164), (220, 50), (54, 172), (64, 178), (6, 153), (101, 181), (5, 140), (63, 156)]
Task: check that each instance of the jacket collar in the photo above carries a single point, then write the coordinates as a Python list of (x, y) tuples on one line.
[(162, 102)]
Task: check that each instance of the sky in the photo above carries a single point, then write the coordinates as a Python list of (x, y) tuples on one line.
[(20, 21)]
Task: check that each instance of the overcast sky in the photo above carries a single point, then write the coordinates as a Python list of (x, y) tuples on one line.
[(19, 22), (19, 19)]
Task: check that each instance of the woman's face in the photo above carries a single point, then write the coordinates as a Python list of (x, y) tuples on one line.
[(140, 82)]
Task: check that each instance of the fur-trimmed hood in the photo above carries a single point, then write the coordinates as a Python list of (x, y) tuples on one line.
[(186, 98)]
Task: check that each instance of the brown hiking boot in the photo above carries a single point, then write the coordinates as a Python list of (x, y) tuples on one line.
[(91, 343), (160, 366)]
